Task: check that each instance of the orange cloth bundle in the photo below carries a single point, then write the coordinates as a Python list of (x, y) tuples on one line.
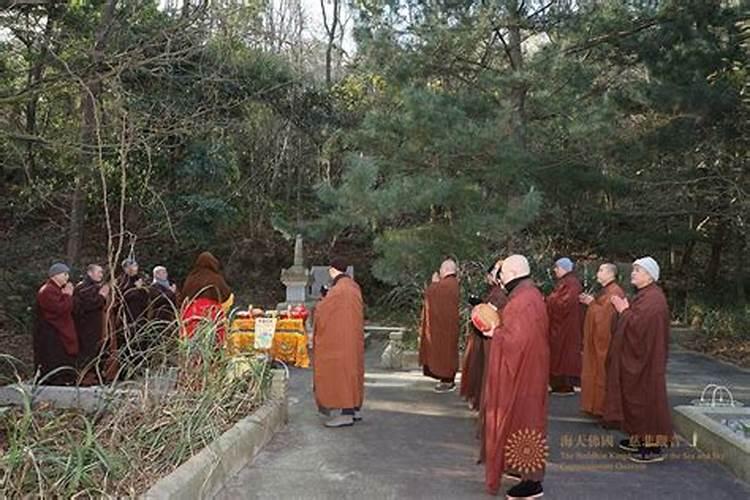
[(483, 316)]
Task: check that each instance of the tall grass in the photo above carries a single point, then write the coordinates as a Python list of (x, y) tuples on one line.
[(124, 447)]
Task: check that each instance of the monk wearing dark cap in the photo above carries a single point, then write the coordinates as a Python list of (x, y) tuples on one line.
[(597, 333), (438, 348), (515, 399), (339, 348), (565, 329), (203, 293), (637, 393), (55, 339), (89, 302)]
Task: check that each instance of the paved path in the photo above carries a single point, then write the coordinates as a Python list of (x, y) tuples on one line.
[(414, 443)]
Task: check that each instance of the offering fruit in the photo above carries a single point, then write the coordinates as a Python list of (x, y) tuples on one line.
[(300, 312)]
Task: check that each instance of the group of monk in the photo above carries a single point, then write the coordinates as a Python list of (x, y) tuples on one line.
[(83, 331), (612, 350)]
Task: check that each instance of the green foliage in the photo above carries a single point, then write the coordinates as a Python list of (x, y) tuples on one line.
[(731, 322)]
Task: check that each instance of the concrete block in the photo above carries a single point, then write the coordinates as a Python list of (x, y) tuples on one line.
[(696, 425)]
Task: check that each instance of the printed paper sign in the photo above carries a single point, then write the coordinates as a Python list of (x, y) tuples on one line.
[(264, 330)]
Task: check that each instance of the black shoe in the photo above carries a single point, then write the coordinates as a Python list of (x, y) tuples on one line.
[(647, 455), (512, 476), (525, 489), (444, 387), (625, 445)]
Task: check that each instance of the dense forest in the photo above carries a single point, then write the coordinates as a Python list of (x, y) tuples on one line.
[(599, 129)]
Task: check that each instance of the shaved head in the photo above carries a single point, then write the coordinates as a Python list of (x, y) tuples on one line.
[(606, 274), (610, 268), (515, 266), (448, 267)]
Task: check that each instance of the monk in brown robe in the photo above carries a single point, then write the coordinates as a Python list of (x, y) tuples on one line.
[(641, 347), (89, 303), (163, 300), (597, 332), (339, 348), (478, 346), (565, 329), (204, 291), (515, 401), (55, 338), (134, 296), (438, 348)]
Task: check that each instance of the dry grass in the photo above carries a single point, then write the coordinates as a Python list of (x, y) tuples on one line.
[(124, 449)]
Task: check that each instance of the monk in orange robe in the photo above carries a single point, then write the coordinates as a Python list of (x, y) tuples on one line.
[(641, 347), (339, 348), (515, 400), (597, 332), (565, 329), (438, 348), (477, 352)]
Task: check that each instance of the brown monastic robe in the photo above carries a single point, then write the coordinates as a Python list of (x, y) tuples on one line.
[(88, 314), (597, 332), (339, 346), (55, 339), (638, 365), (565, 327), (515, 401), (163, 303), (205, 280), (438, 349), (134, 301), (477, 354)]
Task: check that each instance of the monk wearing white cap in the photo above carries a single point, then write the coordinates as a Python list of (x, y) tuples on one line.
[(636, 384)]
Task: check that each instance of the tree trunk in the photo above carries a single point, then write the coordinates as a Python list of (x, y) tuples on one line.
[(89, 123), (331, 35), (739, 274), (519, 89), (717, 247)]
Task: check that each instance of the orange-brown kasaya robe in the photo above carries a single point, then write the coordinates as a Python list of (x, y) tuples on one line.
[(597, 332), (438, 349), (515, 400), (636, 385), (565, 327), (339, 346)]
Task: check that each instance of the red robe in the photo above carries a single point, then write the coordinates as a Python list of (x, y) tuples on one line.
[(438, 348), (515, 395), (565, 327), (203, 313), (55, 338), (638, 362), (339, 346)]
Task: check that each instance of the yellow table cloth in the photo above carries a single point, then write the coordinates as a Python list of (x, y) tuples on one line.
[(289, 340)]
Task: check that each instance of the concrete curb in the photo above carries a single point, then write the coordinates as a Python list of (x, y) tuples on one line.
[(206, 472), (712, 437)]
